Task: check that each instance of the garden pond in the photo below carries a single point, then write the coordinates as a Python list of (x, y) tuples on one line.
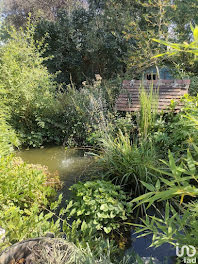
[(71, 164)]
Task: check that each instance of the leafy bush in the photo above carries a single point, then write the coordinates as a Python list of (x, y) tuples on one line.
[(82, 47), (98, 206), (8, 138), (176, 132), (27, 89), (193, 89), (58, 116), (127, 163), (24, 195), (81, 112)]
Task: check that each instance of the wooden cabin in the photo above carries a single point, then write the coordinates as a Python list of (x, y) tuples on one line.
[(162, 73), (128, 99)]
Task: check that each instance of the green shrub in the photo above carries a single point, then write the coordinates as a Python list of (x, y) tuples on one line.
[(24, 195), (27, 89), (8, 138), (82, 112), (41, 112), (98, 207), (176, 132), (193, 89)]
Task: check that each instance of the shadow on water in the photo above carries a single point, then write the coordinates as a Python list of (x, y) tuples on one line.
[(164, 254)]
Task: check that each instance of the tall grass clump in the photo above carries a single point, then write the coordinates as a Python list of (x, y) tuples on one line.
[(148, 109), (126, 162), (61, 251)]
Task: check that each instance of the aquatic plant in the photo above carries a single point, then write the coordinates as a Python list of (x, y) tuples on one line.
[(127, 163), (99, 204), (148, 109)]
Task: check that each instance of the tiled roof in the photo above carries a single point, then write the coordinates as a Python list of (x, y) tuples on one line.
[(168, 90)]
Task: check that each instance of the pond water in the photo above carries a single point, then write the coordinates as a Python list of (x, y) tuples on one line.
[(71, 165), (164, 254)]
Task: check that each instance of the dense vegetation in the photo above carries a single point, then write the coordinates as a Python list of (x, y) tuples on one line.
[(52, 92)]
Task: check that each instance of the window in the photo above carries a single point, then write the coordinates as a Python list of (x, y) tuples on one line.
[(151, 76)]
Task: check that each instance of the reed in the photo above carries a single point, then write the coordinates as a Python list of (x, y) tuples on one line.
[(148, 109)]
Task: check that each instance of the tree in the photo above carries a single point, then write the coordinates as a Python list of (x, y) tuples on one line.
[(17, 11), (82, 44), (184, 14), (153, 20)]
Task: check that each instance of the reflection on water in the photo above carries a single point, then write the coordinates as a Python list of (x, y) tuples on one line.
[(70, 163)]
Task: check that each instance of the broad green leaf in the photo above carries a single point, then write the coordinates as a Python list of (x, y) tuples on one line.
[(143, 197), (167, 212), (107, 230), (157, 185), (104, 207), (148, 186), (195, 33), (84, 226), (191, 163)]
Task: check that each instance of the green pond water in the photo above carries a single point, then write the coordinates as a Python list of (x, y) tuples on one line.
[(71, 164)]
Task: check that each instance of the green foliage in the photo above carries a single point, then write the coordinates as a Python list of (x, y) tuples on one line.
[(148, 110), (104, 255), (97, 207), (24, 195), (27, 89), (82, 44), (88, 37), (184, 12), (16, 12), (150, 19), (8, 138), (76, 113), (176, 132), (127, 163), (85, 115), (175, 48), (81, 112), (178, 182), (184, 47), (193, 89), (175, 226)]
